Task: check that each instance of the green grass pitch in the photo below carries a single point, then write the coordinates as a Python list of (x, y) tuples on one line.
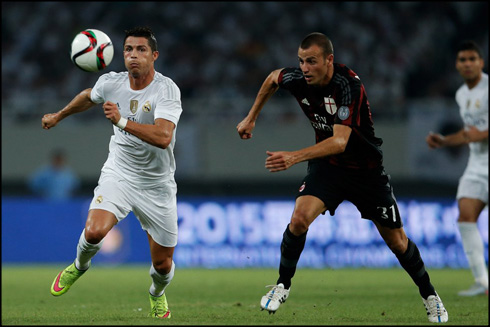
[(119, 296)]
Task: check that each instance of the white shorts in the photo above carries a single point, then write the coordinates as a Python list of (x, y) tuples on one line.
[(156, 209), (473, 186)]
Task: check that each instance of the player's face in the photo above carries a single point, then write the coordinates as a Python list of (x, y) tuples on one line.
[(138, 57), (313, 65), (469, 64)]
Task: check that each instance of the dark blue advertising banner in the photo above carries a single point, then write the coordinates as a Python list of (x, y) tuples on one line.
[(236, 233)]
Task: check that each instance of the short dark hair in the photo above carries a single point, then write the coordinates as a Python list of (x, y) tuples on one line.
[(145, 32), (469, 45), (319, 39)]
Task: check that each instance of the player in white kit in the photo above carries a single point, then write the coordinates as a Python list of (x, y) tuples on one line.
[(144, 107), (472, 195)]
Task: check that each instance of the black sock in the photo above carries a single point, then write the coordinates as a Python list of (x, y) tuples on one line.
[(412, 262), (291, 248)]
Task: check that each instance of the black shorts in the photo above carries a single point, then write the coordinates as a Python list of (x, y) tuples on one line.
[(369, 190)]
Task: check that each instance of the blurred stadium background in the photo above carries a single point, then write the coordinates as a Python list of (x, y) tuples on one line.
[(232, 211)]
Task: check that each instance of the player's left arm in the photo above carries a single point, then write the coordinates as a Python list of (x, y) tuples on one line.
[(336, 144), (160, 134)]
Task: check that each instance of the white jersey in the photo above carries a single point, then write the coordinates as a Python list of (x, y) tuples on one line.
[(473, 107), (141, 164)]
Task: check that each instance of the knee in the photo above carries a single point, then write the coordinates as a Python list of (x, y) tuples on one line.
[(163, 266), (398, 246), (299, 223), (466, 218), (94, 235)]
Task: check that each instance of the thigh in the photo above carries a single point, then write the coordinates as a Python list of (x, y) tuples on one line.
[(156, 209), (112, 194), (470, 209), (473, 186), (306, 209), (323, 182), (99, 223), (373, 196)]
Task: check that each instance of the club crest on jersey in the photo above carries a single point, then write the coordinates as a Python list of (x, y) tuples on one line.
[(133, 106), (330, 105), (343, 113), (147, 106)]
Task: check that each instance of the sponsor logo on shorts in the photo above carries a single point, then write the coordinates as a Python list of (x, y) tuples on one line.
[(302, 187)]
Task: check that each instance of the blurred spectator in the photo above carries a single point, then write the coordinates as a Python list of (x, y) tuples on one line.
[(217, 51), (54, 181)]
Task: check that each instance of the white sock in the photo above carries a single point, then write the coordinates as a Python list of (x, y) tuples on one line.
[(160, 282), (473, 248), (85, 252)]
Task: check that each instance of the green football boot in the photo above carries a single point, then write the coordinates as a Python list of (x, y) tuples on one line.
[(65, 279), (159, 307)]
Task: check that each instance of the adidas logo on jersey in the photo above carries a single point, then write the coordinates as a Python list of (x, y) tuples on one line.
[(305, 101)]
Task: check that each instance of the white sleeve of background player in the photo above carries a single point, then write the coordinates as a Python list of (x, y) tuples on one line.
[(97, 94), (169, 106), (484, 113)]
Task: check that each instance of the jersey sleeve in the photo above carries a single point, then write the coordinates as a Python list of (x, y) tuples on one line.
[(483, 123), (289, 78), (169, 106), (97, 93), (351, 99)]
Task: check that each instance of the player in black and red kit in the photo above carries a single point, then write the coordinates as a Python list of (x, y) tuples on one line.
[(346, 163)]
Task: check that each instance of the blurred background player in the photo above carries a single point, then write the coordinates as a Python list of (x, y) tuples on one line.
[(472, 194), (56, 180), (144, 107), (344, 164)]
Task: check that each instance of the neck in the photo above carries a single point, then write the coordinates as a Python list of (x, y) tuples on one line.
[(139, 82), (328, 77), (473, 82)]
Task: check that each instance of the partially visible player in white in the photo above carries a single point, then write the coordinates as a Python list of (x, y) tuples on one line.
[(472, 195), (144, 107)]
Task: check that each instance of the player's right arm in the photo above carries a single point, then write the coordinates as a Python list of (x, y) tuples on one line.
[(463, 136), (80, 103), (268, 88)]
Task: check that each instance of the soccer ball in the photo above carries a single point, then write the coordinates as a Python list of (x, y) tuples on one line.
[(91, 50)]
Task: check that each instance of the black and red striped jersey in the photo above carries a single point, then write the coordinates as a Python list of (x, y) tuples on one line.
[(342, 101)]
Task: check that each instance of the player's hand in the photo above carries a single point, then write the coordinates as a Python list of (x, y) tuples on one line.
[(245, 128), (434, 140), (278, 161), (49, 120), (111, 112)]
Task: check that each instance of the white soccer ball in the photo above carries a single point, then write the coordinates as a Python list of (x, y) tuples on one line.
[(91, 50)]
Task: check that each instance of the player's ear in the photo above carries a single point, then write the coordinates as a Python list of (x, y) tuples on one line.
[(155, 55), (330, 59)]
